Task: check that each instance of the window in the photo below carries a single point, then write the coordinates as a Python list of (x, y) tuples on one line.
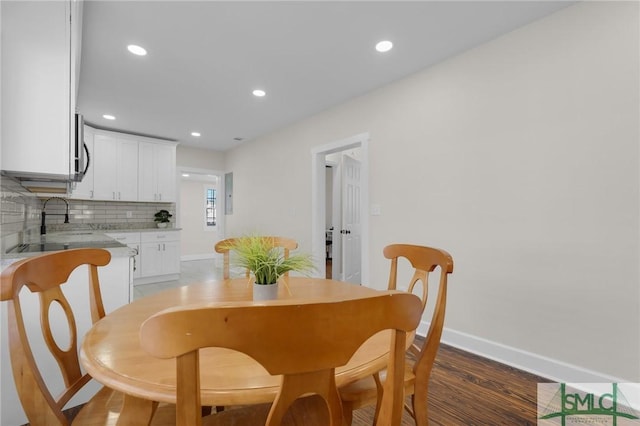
[(210, 207)]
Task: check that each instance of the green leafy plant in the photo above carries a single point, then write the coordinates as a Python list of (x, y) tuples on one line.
[(265, 262), (162, 216)]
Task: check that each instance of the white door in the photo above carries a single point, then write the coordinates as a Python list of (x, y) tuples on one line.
[(351, 221)]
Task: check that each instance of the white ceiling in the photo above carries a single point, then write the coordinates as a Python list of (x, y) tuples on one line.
[(205, 58)]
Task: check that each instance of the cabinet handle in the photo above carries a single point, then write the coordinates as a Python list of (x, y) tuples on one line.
[(91, 194), (119, 197), (163, 248), (114, 195), (160, 197), (158, 247)]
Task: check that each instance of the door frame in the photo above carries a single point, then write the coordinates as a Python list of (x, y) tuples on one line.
[(318, 199)]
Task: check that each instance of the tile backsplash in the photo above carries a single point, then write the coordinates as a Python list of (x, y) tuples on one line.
[(104, 214), (20, 214)]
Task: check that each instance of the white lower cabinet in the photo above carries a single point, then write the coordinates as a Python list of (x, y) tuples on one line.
[(159, 254), (132, 240)]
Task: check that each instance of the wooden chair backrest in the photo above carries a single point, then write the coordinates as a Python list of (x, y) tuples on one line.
[(45, 274), (303, 342), (424, 260), (287, 244)]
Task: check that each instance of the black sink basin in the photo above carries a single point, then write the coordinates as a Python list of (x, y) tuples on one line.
[(40, 247)]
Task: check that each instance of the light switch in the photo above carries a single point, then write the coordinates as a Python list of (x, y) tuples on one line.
[(375, 210)]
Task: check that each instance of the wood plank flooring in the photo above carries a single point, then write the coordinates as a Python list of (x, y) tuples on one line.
[(466, 389)]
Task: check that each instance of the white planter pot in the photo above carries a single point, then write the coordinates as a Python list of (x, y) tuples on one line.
[(162, 224), (265, 291)]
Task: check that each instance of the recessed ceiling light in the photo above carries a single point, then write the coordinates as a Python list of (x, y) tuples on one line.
[(185, 175), (137, 50), (109, 117), (196, 134), (384, 46), (259, 93)]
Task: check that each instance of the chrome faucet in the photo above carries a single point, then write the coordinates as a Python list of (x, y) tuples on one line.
[(43, 227)]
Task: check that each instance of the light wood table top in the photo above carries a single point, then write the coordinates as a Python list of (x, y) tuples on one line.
[(111, 351)]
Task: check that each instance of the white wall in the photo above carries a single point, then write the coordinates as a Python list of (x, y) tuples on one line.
[(187, 156), (519, 157)]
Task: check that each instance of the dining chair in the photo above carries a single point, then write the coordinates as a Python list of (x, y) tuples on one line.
[(46, 275), (303, 342), (420, 357), (225, 247)]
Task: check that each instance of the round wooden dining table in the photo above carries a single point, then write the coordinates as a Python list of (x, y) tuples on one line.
[(112, 355)]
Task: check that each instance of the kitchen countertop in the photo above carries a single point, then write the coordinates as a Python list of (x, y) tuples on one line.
[(75, 239), (63, 240), (120, 231)]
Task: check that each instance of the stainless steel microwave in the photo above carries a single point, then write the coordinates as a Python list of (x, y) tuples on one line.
[(79, 152)]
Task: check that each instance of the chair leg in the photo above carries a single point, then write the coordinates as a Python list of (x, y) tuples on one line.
[(420, 408), (347, 412), (379, 390)]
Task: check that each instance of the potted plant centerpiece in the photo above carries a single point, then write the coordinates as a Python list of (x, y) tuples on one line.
[(266, 263), (162, 218)]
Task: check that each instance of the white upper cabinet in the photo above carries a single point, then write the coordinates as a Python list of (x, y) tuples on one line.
[(126, 167), (157, 172), (38, 94), (115, 168)]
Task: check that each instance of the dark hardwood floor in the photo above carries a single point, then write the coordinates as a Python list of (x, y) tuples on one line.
[(466, 389)]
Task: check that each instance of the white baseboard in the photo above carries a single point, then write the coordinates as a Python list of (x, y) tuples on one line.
[(551, 369), (203, 256)]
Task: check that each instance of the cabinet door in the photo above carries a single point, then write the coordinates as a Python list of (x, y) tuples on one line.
[(104, 167), (156, 172), (147, 182), (150, 259), (165, 159), (127, 170), (84, 189), (171, 257), (36, 102)]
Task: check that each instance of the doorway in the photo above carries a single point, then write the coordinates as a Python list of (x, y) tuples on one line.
[(348, 160), (198, 210)]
